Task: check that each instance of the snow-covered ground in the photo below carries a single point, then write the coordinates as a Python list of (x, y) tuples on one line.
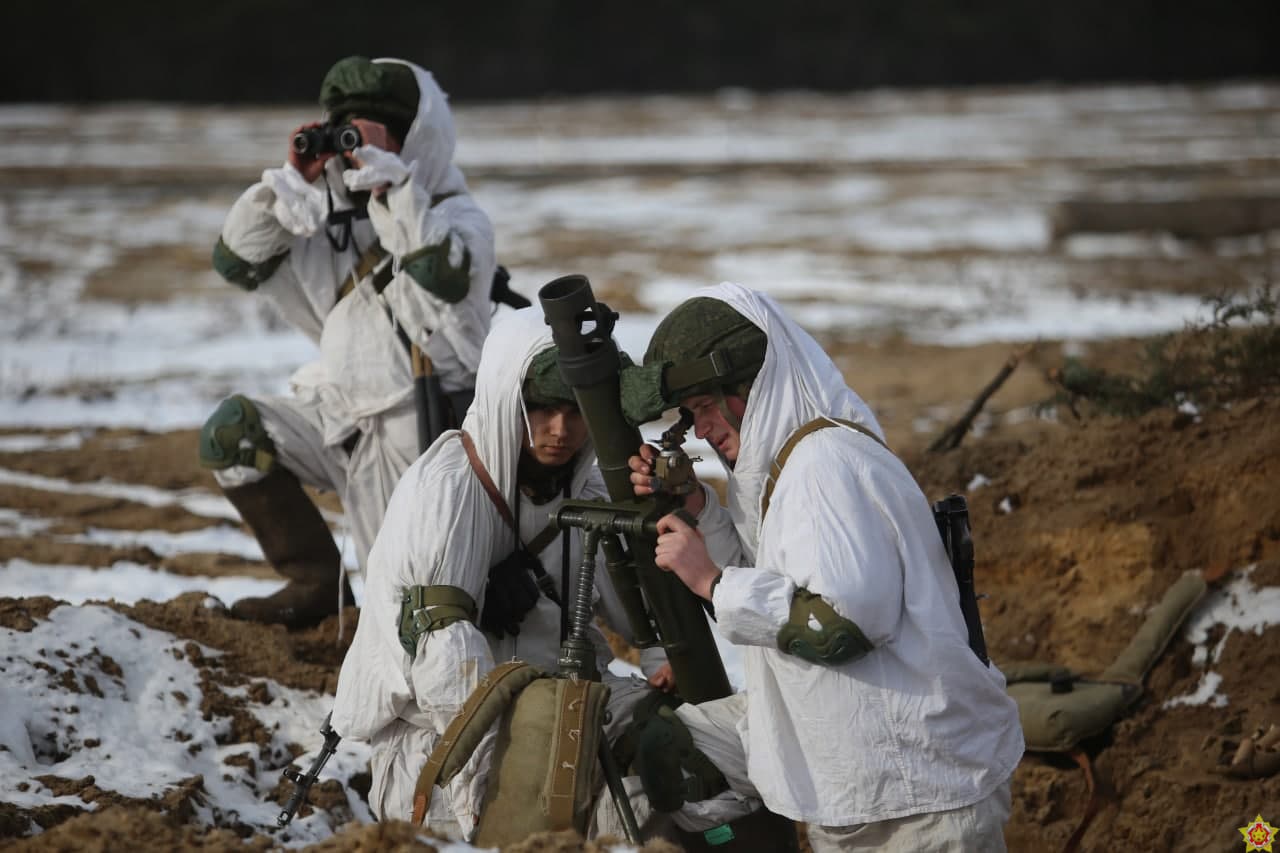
[(926, 214)]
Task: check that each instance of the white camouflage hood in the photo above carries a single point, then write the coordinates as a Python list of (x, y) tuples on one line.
[(498, 414), (431, 139), (797, 383)]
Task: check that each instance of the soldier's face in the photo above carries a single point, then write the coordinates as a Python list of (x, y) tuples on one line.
[(710, 425), (558, 433)]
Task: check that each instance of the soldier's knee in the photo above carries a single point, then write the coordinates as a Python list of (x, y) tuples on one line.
[(672, 769), (234, 435)]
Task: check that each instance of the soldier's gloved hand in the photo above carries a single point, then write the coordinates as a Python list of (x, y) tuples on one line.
[(510, 594)]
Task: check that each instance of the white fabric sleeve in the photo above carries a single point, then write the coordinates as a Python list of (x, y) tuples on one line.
[(251, 229), (446, 670), (835, 535), (380, 167), (716, 526), (752, 605), (450, 661), (404, 219), (378, 681), (298, 206), (652, 659)]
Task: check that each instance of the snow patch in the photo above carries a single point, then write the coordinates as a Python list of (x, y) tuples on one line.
[(1239, 606)]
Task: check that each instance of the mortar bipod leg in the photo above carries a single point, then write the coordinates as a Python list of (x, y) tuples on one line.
[(618, 791)]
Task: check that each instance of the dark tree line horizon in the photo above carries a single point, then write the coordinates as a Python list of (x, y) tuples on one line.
[(270, 51)]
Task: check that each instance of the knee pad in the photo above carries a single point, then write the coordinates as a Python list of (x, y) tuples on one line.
[(234, 435), (672, 769)]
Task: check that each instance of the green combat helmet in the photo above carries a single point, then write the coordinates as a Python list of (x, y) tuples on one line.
[(707, 347), (544, 385), (386, 92)]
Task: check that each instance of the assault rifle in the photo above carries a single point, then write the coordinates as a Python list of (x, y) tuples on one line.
[(302, 783), (952, 517)]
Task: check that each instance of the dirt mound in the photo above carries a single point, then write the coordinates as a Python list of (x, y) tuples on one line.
[(307, 660), (1077, 537)]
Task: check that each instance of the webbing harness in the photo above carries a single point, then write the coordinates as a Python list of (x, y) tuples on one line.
[(368, 262), (775, 468), (365, 265), (537, 543)]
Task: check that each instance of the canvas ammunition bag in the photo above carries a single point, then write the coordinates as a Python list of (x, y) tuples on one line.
[(545, 771), (1060, 708)]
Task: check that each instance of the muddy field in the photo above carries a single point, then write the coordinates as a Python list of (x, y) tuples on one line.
[(888, 230), (1107, 513)]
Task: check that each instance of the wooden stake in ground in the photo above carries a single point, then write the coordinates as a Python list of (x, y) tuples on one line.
[(952, 436)]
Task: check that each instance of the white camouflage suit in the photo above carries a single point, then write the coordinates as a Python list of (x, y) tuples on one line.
[(363, 380), (907, 748), (442, 528)]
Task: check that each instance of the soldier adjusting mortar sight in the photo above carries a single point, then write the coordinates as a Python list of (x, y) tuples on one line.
[(673, 469)]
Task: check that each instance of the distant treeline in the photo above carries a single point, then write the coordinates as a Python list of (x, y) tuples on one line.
[(277, 50)]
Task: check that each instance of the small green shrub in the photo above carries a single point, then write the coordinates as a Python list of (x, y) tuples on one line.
[(1234, 355)]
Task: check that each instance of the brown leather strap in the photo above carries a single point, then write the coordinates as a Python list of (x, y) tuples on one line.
[(568, 759), (363, 267), (487, 481), (370, 259), (1091, 807), (422, 366), (775, 469), (431, 771)]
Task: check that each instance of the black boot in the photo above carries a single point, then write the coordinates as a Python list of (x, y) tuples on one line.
[(298, 544)]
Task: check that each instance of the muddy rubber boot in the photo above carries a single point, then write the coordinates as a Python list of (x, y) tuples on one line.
[(298, 544)]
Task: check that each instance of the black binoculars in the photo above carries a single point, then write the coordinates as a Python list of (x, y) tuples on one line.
[(326, 139)]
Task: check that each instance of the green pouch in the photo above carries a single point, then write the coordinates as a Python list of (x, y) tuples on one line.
[(1058, 709), (545, 770)]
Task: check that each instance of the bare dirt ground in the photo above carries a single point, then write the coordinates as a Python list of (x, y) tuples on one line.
[(1106, 514)]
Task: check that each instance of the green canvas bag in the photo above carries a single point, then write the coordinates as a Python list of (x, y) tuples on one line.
[(1059, 708), (545, 772)]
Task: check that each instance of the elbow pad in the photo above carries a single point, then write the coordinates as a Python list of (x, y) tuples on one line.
[(242, 273), (424, 609), (429, 267), (817, 633)]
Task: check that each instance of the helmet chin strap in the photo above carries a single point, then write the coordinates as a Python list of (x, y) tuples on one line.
[(732, 419)]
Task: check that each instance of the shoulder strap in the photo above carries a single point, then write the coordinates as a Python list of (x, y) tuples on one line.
[(468, 727), (567, 742), (775, 469), (370, 259), (363, 267), (543, 539), (485, 480)]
